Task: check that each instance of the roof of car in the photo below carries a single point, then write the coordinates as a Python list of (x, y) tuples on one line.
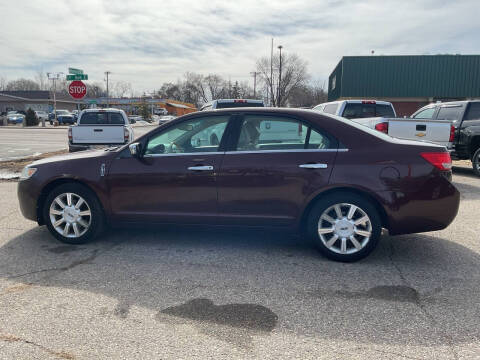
[(102, 109), (238, 100)]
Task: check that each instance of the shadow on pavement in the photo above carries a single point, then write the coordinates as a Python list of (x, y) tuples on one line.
[(233, 284)]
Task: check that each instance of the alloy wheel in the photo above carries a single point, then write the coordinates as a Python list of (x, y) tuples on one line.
[(70, 215), (344, 228)]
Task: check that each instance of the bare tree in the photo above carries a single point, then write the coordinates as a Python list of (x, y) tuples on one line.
[(41, 79), (22, 84), (294, 75), (122, 88), (3, 83), (308, 95), (96, 90)]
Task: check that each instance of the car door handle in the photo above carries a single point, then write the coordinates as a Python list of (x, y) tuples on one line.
[(201, 168), (313, 166)]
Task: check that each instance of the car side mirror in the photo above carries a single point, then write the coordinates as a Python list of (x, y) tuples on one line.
[(135, 149)]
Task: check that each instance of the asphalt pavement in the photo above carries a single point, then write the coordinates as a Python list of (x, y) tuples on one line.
[(186, 292), (17, 142)]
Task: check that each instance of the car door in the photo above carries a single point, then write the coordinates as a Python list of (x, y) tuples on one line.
[(175, 178), (272, 170)]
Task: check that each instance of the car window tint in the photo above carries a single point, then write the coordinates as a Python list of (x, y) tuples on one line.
[(425, 114), (384, 111), (449, 113), (473, 111), (116, 119), (94, 118), (260, 133), (318, 141), (197, 135), (358, 111), (331, 108)]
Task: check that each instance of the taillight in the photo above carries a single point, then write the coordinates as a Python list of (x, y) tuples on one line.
[(69, 133), (452, 133), (125, 134), (382, 127), (441, 160)]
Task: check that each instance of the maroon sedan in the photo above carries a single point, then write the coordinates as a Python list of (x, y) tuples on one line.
[(336, 181)]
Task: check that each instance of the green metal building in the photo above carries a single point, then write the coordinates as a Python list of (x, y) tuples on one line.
[(408, 81)]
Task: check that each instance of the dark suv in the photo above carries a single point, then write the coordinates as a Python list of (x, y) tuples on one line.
[(466, 120)]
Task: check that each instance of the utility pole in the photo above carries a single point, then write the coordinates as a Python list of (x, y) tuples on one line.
[(271, 74), (108, 100), (279, 98), (54, 77), (254, 74)]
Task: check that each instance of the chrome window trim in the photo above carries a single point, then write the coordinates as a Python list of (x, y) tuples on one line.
[(180, 154), (284, 151)]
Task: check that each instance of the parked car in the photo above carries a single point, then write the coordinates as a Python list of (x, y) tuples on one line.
[(99, 127), (232, 103), (41, 115), (465, 118), (357, 109), (65, 117), (165, 119), (14, 117), (339, 184), (75, 115)]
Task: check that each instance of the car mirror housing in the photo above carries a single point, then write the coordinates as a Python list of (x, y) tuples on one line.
[(135, 149)]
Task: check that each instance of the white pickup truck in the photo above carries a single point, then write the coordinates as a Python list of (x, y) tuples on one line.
[(381, 116), (99, 127)]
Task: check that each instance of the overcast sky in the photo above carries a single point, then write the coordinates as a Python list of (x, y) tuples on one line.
[(151, 42)]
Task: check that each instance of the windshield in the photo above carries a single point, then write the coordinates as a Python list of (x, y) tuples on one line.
[(62, 112), (361, 110)]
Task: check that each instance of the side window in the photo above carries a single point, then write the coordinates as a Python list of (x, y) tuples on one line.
[(197, 135), (449, 113), (473, 111), (425, 114), (277, 133), (331, 108)]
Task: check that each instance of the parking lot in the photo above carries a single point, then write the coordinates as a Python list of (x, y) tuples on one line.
[(187, 292)]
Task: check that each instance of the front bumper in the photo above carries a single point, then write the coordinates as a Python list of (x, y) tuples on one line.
[(28, 199)]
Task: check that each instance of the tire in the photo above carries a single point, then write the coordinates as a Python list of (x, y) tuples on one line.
[(334, 241), (476, 162), (81, 228)]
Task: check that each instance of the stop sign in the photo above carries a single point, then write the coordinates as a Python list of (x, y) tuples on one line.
[(77, 89)]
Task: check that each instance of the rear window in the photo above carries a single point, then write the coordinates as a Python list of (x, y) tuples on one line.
[(450, 113), (101, 118), (228, 105), (358, 110)]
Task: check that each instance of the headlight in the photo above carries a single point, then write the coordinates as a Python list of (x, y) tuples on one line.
[(27, 173)]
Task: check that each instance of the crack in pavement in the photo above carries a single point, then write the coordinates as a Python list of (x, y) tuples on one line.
[(448, 338), (12, 338)]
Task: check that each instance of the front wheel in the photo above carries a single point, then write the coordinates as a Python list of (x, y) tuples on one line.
[(73, 214), (476, 162), (344, 226)]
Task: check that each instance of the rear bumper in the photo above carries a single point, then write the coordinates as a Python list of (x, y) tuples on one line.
[(433, 207)]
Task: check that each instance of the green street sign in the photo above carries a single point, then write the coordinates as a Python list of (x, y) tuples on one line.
[(92, 101), (75, 71), (77, 77)]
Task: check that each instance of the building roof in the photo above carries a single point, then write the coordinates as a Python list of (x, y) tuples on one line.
[(34, 95), (437, 76)]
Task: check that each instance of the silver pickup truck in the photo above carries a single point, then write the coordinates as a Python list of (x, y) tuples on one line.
[(99, 127), (381, 116), (436, 131)]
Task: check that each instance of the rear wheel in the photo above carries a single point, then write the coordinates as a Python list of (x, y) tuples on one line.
[(344, 226), (73, 214), (476, 162)]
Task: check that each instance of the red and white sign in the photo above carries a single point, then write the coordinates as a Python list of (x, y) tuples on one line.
[(77, 89)]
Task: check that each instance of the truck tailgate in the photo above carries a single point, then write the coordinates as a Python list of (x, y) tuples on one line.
[(98, 134), (437, 131)]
